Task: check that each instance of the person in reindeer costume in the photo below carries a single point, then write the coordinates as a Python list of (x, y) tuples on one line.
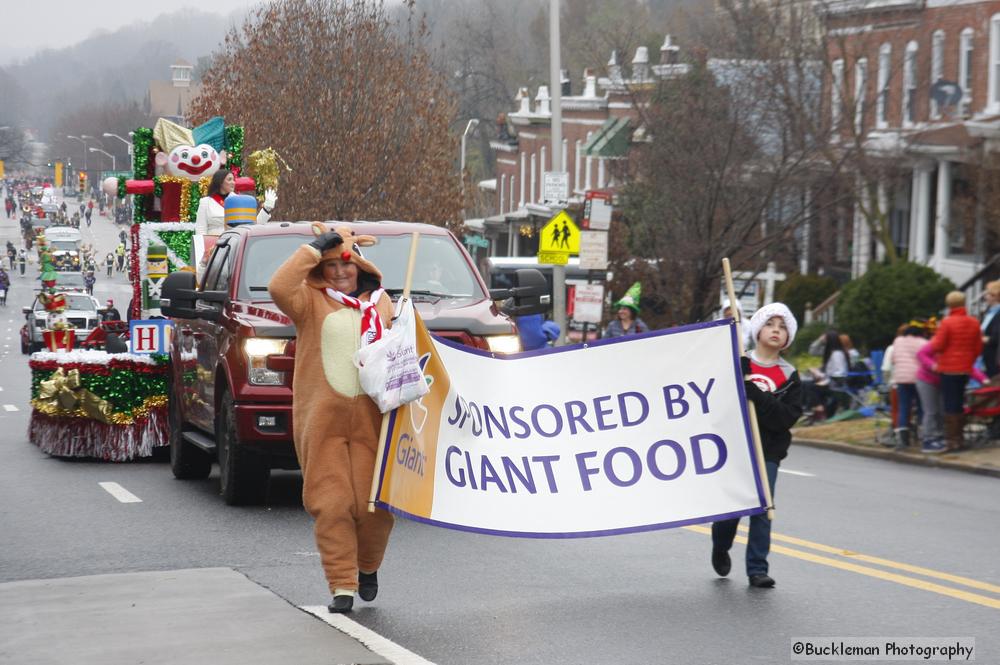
[(333, 296)]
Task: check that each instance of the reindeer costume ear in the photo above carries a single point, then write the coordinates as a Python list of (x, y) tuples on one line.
[(318, 229)]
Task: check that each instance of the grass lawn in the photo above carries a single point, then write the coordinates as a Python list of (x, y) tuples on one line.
[(860, 431)]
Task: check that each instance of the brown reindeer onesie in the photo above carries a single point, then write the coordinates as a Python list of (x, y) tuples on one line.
[(336, 426)]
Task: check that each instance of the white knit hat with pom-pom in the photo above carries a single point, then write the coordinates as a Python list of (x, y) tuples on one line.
[(762, 315)]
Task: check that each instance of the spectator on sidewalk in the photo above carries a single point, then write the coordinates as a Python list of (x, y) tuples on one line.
[(904, 377), (773, 385), (991, 329), (831, 376), (956, 344)]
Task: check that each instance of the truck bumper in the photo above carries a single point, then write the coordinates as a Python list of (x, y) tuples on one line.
[(267, 424)]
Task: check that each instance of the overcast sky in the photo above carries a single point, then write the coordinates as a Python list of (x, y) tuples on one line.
[(29, 27)]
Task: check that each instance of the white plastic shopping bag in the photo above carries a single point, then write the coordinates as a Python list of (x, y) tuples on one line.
[(388, 367)]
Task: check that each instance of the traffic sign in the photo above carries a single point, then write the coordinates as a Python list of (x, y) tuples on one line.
[(553, 258), (555, 186), (594, 250), (560, 234), (588, 303), (597, 211)]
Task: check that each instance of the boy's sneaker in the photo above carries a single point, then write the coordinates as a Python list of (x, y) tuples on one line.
[(761, 581), (721, 562), (933, 447)]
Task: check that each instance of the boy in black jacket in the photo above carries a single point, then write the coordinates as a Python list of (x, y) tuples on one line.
[(773, 385)]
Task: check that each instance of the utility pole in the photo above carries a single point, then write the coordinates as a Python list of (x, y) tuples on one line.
[(555, 85)]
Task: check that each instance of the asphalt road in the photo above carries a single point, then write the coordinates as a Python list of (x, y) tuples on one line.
[(458, 598)]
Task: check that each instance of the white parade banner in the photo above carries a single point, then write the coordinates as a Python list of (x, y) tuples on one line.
[(630, 434)]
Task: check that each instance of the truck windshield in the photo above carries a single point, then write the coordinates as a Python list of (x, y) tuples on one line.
[(441, 267)]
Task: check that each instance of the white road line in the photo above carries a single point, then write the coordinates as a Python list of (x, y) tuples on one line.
[(797, 473), (120, 493), (380, 645), (10, 407)]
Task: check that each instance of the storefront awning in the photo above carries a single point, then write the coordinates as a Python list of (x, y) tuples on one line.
[(611, 140)]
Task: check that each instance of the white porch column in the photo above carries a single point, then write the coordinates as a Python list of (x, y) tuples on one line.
[(576, 175), (942, 220), (534, 179), (923, 213), (883, 206), (510, 202), (541, 167), (565, 154), (912, 251), (806, 231), (601, 175), (520, 203), (502, 190)]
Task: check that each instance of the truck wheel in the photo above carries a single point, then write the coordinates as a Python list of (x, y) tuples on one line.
[(243, 474), (187, 461)]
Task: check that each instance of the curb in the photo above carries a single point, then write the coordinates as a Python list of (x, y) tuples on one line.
[(904, 458)]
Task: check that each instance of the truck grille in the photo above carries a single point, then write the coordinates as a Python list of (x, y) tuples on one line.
[(77, 323)]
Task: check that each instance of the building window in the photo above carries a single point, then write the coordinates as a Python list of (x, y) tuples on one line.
[(994, 74), (910, 84), (860, 96), (937, 67), (836, 92), (965, 71), (884, 67)]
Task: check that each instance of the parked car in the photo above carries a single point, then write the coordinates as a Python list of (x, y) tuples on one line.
[(83, 312), (232, 352)]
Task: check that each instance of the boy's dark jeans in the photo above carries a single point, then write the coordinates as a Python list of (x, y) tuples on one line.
[(759, 542)]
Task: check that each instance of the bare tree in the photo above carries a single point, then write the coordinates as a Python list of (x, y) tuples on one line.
[(352, 104)]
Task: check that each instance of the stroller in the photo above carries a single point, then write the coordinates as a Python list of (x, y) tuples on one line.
[(982, 416)]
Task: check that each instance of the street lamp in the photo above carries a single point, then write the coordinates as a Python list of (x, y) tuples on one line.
[(77, 138), (105, 152), (468, 130), (128, 144)]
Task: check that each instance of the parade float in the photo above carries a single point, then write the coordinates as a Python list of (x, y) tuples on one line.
[(95, 402)]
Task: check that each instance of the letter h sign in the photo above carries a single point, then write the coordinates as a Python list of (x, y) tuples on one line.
[(151, 336)]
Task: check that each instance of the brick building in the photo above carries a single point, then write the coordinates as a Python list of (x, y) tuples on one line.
[(914, 85), (599, 126)]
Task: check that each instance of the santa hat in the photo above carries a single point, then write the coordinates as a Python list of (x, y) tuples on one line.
[(631, 298), (369, 277), (765, 313)]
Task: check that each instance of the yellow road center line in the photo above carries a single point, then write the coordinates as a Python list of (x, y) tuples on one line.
[(871, 572)]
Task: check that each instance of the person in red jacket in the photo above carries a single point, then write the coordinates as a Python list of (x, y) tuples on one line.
[(956, 344)]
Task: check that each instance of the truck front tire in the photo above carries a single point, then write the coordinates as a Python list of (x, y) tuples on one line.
[(243, 474)]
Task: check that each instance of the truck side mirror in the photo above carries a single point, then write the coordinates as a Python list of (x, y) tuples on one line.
[(530, 294), (177, 295)]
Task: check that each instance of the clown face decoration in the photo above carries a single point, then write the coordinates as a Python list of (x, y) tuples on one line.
[(194, 163)]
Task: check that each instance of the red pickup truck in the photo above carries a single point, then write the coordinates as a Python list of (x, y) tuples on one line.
[(233, 349)]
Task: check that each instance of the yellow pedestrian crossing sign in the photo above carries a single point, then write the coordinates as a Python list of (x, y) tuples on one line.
[(560, 234)]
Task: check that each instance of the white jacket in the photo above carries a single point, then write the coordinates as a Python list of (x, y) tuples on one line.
[(211, 219)]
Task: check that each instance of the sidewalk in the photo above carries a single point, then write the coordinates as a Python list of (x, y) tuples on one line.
[(209, 615), (857, 437)]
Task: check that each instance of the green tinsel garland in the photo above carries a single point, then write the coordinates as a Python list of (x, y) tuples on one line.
[(179, 243), (234, 146), (122, 193), (195, 202), (142, 146), (124, 389)]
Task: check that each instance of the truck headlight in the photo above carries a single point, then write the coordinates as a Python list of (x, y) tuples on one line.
[(257, 350), (504, 343)]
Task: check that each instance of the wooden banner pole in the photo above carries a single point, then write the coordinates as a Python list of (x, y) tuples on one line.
[(382, 444), (734, 307)]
